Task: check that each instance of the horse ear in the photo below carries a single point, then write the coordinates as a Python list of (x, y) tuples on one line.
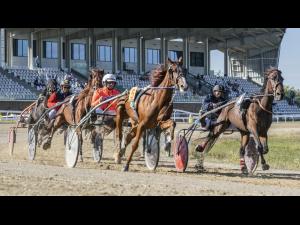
[(169, 61), (180, 61)]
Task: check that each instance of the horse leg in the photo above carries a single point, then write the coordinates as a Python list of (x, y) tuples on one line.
[(244, 142), (128, 139), (53, 125), (79, 133), (264, 141), (135, 145), (220, 126), (259, 147), (168, 127), (119, 135)]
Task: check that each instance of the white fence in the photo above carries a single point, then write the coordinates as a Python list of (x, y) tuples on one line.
[(177, 115)]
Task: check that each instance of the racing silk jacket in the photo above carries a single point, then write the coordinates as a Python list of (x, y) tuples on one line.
[(211, 102), (62, 95), (105, 93), (52, 100)]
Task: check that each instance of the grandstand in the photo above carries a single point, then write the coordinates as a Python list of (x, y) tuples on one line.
[(129, 52)]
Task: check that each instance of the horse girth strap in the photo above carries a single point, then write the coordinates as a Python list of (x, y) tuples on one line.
[(262, 107)]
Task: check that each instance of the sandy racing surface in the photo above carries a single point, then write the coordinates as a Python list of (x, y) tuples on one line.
[(47, 175)]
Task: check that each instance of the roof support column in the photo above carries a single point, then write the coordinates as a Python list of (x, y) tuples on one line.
[(30, 51), (206, 57), (186, 53), (2, 46), (139, 55), (68, 53), (226, 59), (88, 50), (164, 49), (60, 50), (143, 55)]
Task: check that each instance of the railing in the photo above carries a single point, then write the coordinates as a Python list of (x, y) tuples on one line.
[(185, 116), (177, 115)]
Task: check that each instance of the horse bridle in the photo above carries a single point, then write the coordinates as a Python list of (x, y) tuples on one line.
[(275, 81), (179, 75)]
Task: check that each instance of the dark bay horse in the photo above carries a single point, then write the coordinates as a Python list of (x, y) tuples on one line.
[(71, 116), (257, 120), (38, 111), (153, 109)]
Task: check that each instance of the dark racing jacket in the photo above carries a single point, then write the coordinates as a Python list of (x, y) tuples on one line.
[(211, 102)]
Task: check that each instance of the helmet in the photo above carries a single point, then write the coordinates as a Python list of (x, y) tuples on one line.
[(218, 88), (65, 83), (109, 77)]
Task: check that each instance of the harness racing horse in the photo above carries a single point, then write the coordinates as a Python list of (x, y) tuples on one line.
[(152, 110), (256, 121), (66, 114), (38, 110)]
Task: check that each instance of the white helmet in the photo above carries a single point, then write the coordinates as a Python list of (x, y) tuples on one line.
[(109, 77)]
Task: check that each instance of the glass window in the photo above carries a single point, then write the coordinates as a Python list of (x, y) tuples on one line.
[(22, 47), (153, 56), (130, 55), (197, 59), (78, 51), (54, 51)]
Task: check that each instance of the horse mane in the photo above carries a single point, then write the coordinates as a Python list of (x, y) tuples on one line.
[(158, 75), (85, 92)]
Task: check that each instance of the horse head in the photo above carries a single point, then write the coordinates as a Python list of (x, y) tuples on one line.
[(177, 75), (274, 83), (95, 78), (52, 85)]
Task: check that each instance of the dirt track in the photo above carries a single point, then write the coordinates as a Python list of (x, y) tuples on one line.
[(47, 175)]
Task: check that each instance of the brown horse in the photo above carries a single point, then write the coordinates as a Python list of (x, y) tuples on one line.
[(256, 121), (153, 109), (66, 114)]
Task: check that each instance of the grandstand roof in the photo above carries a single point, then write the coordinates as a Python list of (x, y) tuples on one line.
[(237, 39)]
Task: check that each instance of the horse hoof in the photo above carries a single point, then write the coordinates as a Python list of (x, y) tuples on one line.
[(199, 167), (265, 167), (265, 151), (125, 169), (46, 146), (117, 158), (244, 170)]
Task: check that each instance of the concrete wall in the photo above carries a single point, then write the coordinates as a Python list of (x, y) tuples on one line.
[(190, 107), (81, 65), (14, 105)]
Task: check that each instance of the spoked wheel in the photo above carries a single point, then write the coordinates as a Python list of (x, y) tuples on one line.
[(181, 153), (152, 148), (32, 141), (11, 140), (72, 147), (98, 148)]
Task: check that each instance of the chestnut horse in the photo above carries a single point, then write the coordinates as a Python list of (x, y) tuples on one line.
[(256, 121), (66, 114), (153, 109)]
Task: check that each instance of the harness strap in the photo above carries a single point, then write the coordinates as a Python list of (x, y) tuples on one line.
[(263, 108)]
